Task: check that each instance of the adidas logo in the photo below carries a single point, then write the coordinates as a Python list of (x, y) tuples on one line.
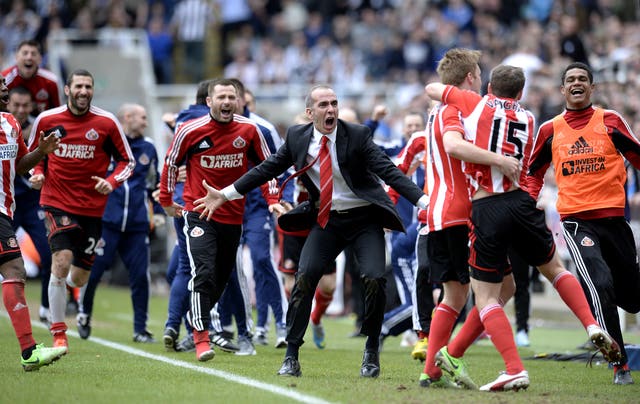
[(19, 306), (580, 147), (203, 145)]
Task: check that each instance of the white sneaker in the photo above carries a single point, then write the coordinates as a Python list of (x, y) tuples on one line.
[(245, 346), (45, 315), (409, 339), (281, 337), (522, 338), (601, 339), (506, 382)]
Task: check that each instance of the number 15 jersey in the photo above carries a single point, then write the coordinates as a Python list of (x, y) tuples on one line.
[(499, 125)]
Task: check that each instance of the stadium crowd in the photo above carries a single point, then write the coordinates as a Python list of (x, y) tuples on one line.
[(354, 43)]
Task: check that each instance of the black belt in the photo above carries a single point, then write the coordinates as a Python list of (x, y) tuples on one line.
[(351, 211)]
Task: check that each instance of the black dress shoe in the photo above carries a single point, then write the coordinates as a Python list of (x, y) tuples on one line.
[(290, 367), (370, 364)]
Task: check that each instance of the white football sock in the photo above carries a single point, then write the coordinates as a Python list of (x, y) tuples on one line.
[(57, 298)]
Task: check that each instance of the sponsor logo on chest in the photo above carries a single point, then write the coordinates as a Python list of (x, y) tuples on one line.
[(230, 160)]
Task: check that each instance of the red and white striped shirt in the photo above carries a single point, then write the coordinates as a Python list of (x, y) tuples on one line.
[(12, 149), (409, 159), (499, 125), (447, 184), (219, 153), (88, 142)]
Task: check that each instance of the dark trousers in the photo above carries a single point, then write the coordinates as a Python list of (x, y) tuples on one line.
[(522, 297), (212, 252), (604, 252), (133, 247), (30, 216), (424, 304), (355, 228)]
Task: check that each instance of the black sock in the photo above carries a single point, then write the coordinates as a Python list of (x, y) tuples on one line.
[(26, 354), (292, 350), (372, 344)]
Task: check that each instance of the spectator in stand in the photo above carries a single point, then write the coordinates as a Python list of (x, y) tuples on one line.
[(233, 15), (190, 23), (571, 44), (161, 44), (19, 24)]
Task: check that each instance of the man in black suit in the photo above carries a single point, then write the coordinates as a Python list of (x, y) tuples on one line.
[(360, 210)]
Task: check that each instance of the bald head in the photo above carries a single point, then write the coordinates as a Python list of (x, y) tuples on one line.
[(349, 115), (133, 118)]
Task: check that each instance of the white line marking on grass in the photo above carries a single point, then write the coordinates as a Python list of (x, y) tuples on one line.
[(213, 372), (303, 398)]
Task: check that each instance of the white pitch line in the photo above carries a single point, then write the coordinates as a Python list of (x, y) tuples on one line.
[(303, 398)]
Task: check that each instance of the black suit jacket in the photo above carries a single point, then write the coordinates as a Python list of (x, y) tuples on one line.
[(361, 162)]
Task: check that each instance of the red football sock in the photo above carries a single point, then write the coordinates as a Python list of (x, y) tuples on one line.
[(16, 306), (573, 296), (441, 325), (497, 326), (322, 302), (469, 332)]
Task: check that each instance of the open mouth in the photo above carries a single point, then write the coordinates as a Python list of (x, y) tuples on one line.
[(329, 121), (226, 112), (577, 91)]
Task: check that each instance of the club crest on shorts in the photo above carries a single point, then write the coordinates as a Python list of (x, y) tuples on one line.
[(65, 221), (587, 242), (196, 232), (239, 143), (12, 242)]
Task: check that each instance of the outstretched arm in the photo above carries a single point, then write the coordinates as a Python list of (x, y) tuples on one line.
[(208, 204), (46, 145)]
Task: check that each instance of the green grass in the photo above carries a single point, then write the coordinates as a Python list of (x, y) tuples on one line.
[(94, 373)]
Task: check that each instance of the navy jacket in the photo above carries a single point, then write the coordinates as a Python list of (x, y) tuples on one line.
[(128, 206)]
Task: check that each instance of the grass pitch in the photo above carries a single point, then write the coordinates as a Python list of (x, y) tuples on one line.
[(110, 368)]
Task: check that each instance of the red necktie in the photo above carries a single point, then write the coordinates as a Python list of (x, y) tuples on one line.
[(326, 182)]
